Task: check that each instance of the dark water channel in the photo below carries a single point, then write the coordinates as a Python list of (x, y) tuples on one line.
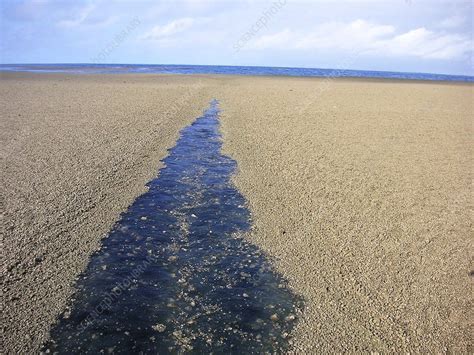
[(174, 274)]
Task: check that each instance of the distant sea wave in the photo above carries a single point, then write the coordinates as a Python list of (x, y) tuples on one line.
[(226, 70)]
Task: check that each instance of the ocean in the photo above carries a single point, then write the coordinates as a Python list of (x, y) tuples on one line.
[(226, 70)]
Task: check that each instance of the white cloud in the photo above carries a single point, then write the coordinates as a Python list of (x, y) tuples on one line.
[(279, 39), (453, 22), (170, 29), (87, 16), (426, 44), (354, 35), (365, 37), (82, 16), (331, 35)]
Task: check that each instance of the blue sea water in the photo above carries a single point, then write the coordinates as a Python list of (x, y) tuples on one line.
[(225, 69)]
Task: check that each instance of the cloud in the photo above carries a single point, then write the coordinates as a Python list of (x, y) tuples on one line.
[(365, 37), (87, 17), (423, 43), (279, 39), (453, 22), (331, 35), (170, 29), (354, 35), (82, 16)]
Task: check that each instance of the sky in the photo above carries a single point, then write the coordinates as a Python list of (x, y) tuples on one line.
[(431, 36)]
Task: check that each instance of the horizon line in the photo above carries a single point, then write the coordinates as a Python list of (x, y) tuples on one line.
[(248, 66)]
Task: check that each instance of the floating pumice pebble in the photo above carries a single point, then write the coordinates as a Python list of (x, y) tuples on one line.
[(160, 328), (67, 313)]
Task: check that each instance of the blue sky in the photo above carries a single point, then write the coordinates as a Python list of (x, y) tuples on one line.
[(399, 35)]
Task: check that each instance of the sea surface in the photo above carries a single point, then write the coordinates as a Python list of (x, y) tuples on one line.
[(224, 69)]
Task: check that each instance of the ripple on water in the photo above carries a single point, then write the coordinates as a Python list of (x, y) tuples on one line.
[(175, 274)]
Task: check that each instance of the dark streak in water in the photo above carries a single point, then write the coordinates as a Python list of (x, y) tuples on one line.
[(174, 274)]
